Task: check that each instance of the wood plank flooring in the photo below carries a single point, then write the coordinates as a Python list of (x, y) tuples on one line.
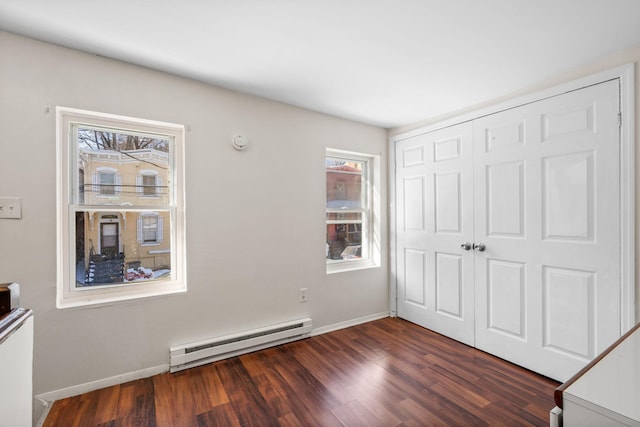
[(384, 373)]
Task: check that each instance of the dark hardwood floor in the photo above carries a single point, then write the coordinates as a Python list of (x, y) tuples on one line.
[(384, 373)]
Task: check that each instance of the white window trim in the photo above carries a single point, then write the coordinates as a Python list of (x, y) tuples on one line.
[(67, 293), (371, 226)]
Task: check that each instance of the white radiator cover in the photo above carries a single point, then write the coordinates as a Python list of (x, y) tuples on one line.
[(207, 351)]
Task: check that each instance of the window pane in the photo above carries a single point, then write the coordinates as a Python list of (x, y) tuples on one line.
[(344, 183), (149, 185), (150, 228), (344, 241), (149, 234), (124, 155), (108, 250), (107, 181)]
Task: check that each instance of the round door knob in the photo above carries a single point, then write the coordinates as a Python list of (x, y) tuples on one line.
[(479, 247), (466, 246)]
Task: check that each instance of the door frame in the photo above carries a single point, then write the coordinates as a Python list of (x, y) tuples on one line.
[(625, 75)]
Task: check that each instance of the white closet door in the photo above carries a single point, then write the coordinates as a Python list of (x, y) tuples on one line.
[(547, 209), (434, 218)]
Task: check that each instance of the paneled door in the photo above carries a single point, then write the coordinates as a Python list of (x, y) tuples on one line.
[(435, 218), (508, 230), (546, 209)]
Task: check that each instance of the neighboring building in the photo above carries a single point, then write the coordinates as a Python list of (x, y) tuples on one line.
[(125, 239)]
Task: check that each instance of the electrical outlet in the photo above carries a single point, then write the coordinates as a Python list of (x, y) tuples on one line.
[(10, 207), (303, 294)]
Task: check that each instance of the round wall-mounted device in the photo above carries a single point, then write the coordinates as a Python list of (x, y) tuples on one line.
[(239, 142)]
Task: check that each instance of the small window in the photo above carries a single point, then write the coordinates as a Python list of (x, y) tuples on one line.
[(349, 211), (150, 229), (149, 185), (121, 234), (107, 183)]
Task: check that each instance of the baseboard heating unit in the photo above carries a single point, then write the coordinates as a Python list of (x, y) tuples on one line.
[(207, 351)]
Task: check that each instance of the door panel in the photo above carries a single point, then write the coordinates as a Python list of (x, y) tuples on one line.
[(568, 196), (415, 277), (506, 298), (449, 284), (505, 204), (447, 189), (434, 200), (569, 310), (413, 190), (549, 301)]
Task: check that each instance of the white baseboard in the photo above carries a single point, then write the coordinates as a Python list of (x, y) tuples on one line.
[(63, 393), (349, 323)]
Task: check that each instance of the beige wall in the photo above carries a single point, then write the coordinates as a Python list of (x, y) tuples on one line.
[(616, 59), (255, 219)]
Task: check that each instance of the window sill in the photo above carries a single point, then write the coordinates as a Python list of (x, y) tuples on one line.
[(160, 251), (334, 266), (106, 295)]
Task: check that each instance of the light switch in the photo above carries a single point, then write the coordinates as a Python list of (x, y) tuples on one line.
[(10, 208)]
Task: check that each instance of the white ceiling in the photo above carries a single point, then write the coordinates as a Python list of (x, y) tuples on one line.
[(383, 62)]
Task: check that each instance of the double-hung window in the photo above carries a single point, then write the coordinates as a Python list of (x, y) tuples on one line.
[(350, 208), (121, 227)]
